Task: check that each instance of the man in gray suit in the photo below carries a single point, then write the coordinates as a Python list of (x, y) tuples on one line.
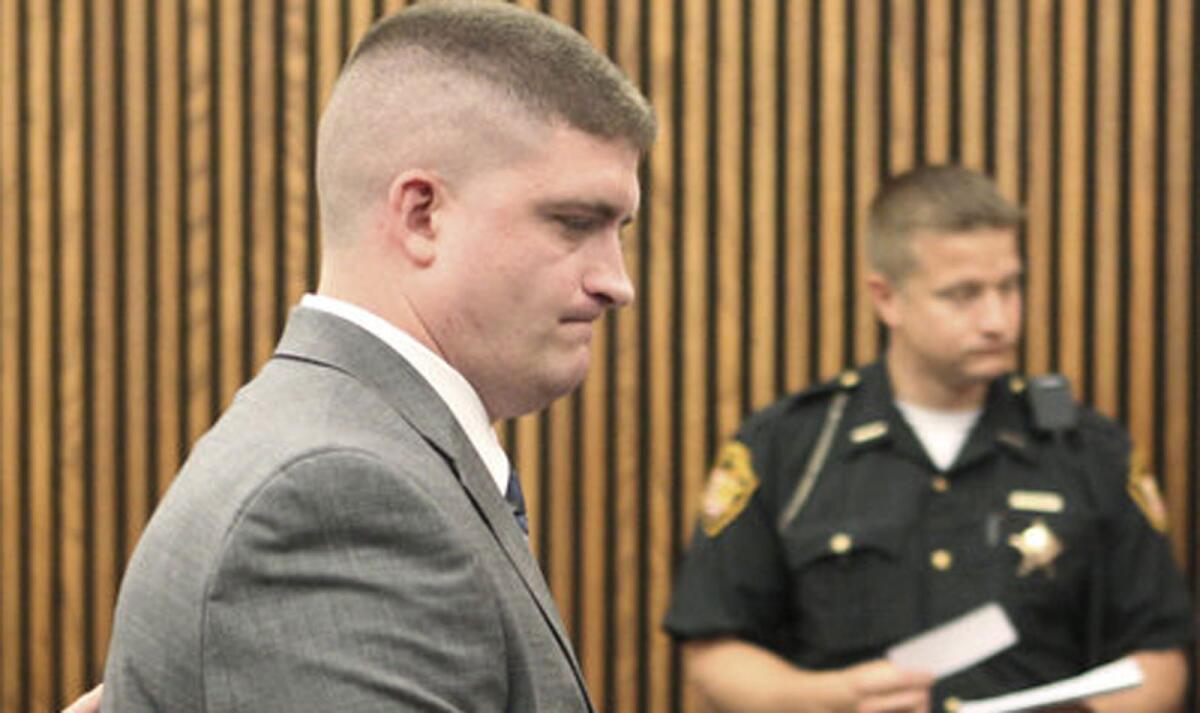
[(341, 540)]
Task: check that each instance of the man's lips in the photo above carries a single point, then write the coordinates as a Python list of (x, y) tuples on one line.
[(582, 316), (999, 350)]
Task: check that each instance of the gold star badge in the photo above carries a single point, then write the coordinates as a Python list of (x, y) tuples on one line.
[(1039, 547), (730, 485)]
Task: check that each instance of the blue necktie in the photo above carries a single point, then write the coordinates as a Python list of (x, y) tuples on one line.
[(516, 499)]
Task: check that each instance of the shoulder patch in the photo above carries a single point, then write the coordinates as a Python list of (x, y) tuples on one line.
[(730, 484), (1143, 488)]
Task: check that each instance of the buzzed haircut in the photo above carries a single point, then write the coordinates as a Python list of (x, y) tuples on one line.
[(455, 87), (931, 200), (545, 65)]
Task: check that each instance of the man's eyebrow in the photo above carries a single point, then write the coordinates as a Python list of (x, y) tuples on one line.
[(600, 209)]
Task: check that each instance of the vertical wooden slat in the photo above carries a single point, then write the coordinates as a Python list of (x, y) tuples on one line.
[(1072, 203), (973, 84), (265, 186), (199, 231), (108, 556), (172, 242), (135, 348), (297, 179), (562, 10), (558, 508), (1038, 161), (697, 97), (1182, 272), (231, 168), (361, 14), (39, 507), (832, 199), (867, 163), (765, 143), (662, 274), (70, 337), (902, 86), (727, 280), (1143, 229), (330, 54), (12, 201), (798, 272), (937, 99), (1106, 295), (695, 232), (629, 430), (1007, 122)]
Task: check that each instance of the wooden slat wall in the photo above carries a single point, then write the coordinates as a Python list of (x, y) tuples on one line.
[(157, 220)]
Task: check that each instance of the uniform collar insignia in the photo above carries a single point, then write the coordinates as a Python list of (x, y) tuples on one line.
[(868, 432), (1039, 547)]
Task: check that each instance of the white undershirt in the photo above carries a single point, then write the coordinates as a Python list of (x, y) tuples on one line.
[(453, 388), (942, 433)]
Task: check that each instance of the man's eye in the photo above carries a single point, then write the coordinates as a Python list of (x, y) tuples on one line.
[(1011, 286), (961, 294), (576, 223)]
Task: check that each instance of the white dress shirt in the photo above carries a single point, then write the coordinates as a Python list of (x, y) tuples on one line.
[(458, 394)]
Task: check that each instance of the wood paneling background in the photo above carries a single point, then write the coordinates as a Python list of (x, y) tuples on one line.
[(157, 221)]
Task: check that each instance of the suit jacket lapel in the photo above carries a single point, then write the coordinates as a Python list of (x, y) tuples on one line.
[(312, 335)]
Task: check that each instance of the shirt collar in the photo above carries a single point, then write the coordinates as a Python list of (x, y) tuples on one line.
[(453, 388)]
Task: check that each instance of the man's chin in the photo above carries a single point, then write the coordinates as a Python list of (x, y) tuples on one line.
[(989, 367)]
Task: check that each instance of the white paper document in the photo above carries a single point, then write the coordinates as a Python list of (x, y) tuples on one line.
[(958, 644), (1115, 676)]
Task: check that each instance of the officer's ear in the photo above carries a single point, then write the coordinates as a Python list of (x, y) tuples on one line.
[(884, 293)]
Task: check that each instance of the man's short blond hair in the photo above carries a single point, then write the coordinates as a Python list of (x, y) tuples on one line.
[(545, 65), (931, 200), (455, 87)]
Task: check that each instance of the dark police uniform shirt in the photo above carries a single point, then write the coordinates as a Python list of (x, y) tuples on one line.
[(887, 546)]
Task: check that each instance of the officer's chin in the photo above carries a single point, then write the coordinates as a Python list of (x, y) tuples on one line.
[(986, 367)]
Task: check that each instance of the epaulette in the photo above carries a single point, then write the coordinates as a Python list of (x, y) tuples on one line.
[(848, 380), (1051, 404)]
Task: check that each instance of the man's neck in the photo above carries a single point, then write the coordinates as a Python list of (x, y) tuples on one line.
[(915, 385)]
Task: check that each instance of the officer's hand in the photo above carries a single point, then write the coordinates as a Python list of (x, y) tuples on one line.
[(881, 687), (87, 703)]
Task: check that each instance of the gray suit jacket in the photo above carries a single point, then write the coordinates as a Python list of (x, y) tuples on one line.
[(334, 543)]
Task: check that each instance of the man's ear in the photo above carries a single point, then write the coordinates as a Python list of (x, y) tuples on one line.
[(884, 295), (413, 196)]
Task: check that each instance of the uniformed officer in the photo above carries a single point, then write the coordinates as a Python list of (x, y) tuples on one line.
[(850, 516)]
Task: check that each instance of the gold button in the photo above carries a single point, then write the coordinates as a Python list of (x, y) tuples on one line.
[(941, 560), (951, 704), (940, 484), (840, 543)]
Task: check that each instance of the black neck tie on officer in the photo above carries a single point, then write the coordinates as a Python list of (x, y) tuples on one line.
[(516, 499)]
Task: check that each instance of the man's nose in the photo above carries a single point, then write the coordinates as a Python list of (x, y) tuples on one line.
[(606, 278), (996, 311)]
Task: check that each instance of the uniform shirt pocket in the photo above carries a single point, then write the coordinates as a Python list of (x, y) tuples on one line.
[(851, 593)]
